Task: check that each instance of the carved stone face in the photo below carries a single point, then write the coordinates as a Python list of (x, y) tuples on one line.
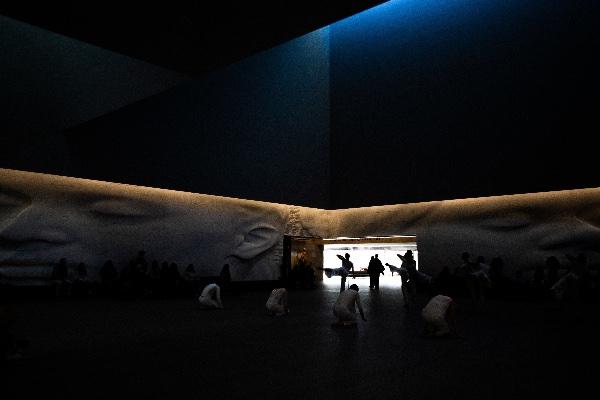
[(44, 218), (522, 229)]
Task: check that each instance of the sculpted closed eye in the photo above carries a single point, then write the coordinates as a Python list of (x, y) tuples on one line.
[(508, 222), (8, 199), (119, 208), (590, 215)]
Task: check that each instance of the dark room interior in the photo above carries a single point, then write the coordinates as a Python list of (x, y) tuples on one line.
[(334, 119)]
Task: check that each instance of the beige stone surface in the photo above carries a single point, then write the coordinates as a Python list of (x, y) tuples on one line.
[(46, 217)]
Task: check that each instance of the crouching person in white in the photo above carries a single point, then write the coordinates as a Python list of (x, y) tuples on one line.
[(277, 304), (439, 317), (211, 296), (345, 307)]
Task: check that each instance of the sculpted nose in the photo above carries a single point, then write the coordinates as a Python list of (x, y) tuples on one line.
[(33, 224)]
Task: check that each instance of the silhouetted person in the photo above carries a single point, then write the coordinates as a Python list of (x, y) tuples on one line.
[(108, 277), (190, 279), (370, 270), (60, 278), (419, 279), (408, 285), (141, 260), (478, 283), (483, 265), (277, 304), (174, 278), (444, 281), (81, 283), (154, 278), (190, 272), (573, 285), (345, 306), (409, 263), (375, 268), (164, 278), (347, 267), (211, 296), (463, 274)]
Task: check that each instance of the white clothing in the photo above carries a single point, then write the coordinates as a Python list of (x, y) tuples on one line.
[(341, 271), (566, 282), (211, 296), (482, 277), (434, 313), (277, 302), (344, 308)]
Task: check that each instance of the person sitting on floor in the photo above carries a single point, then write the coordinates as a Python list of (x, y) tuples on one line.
[(211, 296), (439, 317), (277, 304), (344, 308)]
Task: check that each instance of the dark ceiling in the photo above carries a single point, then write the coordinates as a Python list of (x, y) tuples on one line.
[(189, 37)]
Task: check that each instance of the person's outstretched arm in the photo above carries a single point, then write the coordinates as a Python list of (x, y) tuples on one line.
[(401, 257), (340, 257)]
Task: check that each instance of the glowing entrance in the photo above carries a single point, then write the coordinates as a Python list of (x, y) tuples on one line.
[(311, 253), (361, 250)]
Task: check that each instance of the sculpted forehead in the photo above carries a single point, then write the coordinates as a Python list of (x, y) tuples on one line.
[(536, 205), (51, 188)]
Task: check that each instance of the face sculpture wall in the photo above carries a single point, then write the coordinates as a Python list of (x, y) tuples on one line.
[(522, 229), (44, 218)]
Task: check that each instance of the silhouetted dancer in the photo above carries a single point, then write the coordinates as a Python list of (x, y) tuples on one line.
[(408, 286), (419, 279), (342, 271)]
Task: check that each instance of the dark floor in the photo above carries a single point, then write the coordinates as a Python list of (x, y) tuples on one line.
[(163, 349)]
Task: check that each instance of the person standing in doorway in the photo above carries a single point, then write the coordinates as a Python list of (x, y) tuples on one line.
[(347, 266)]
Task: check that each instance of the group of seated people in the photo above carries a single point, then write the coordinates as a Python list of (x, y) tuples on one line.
[(438, 315), (548, 280), (136, 279), (277, 303)]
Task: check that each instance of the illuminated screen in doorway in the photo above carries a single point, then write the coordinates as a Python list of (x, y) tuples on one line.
[(361, 250)]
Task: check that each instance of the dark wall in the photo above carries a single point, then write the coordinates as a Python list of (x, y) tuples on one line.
[(49, 82), (258, 129), (440, 100)]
